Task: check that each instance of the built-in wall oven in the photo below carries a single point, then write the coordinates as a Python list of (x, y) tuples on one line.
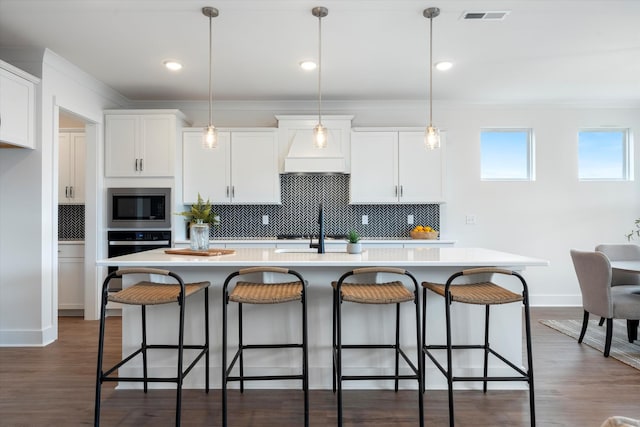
[(125, 242)]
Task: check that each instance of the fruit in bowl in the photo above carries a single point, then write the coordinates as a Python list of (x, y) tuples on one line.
[(424, 232)]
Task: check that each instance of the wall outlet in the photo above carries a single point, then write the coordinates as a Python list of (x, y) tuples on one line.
[(409, 219), (471, 219), (265, 219), (365, 219)]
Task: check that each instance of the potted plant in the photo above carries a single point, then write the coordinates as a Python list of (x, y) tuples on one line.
[(353, 242), (200, 218)]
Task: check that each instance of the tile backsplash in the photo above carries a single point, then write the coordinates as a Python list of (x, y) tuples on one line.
[(70, 222), (298, 214)]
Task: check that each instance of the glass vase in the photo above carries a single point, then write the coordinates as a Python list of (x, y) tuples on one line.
[(199, 236)]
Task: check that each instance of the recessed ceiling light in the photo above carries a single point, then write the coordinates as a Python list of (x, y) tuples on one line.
[(444, 65), (308, 65), (172, 65)]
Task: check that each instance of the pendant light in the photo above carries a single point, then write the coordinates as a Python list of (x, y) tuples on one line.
[(431, 134), (320, 132), (210, 137)]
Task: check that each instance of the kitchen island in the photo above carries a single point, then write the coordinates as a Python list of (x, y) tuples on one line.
[(433, 264)]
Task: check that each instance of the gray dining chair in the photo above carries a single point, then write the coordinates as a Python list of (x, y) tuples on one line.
[(600, 298)]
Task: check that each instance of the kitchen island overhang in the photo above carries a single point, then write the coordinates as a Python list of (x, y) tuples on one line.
[(432, 264)]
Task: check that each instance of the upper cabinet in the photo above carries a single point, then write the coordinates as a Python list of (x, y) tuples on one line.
[(243, 169), (71, 166), (394, 167), (141, 142), (17, 107)]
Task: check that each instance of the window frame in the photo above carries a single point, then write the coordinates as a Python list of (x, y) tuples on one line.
[(627, 154), (530, 160)]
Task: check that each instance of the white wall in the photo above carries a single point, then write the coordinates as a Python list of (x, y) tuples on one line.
[(547, 217), (28, 194)]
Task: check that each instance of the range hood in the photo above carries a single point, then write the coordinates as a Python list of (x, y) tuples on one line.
[(296, 136)]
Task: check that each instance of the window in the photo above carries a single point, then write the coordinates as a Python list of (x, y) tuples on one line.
[(506, 155), (603, 154)]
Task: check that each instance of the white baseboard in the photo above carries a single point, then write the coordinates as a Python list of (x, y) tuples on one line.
[(27, 338)]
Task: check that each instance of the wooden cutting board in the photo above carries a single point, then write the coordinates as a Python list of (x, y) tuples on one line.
[(208, 252)]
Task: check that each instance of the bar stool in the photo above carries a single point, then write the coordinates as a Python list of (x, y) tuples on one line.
[(245, 292), (394, 292), (481, 292), (146, 293)]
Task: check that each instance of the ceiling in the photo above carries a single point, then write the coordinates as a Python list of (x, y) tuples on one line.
[(544, 51)]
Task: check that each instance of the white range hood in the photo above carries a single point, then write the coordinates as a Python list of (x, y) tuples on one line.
[(296, 140)]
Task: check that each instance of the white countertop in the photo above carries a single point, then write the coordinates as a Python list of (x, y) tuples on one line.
[(326, 242), (399, 257)]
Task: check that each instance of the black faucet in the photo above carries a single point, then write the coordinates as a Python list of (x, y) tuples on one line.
[(320, 244)]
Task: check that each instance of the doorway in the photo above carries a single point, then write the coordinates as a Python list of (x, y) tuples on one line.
[(71, 213)]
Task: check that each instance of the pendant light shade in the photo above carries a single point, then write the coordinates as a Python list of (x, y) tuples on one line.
[(432, 133), (320, 132), (210, 137)]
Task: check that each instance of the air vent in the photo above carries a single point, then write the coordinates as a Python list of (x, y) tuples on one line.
[(485, 16)]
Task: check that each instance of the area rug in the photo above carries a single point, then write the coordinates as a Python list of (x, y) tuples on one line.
[(621, 348)]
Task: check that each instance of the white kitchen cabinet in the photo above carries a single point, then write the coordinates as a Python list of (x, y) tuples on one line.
[(394, 167), (243, 169), (71, 167), (17, 108), (141, 143), (70, 276)]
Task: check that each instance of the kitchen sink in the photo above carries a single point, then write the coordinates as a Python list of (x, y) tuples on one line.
[(304, 251)]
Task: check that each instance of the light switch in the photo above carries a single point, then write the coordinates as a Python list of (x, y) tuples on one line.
[(471, 219), (265, 219), (409, 219), (365, 219)]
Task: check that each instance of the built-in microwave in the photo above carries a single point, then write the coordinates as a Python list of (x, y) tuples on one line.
[(139, 208)]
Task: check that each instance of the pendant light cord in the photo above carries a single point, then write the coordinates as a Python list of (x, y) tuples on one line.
[(431, 71), (320, 70), (210, 70)]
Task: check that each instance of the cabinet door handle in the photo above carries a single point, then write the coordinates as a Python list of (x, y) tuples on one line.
[(227, 193), (136, 165), (395, 191), (233, 191), (141, 166), (401, 190), (66, 192)]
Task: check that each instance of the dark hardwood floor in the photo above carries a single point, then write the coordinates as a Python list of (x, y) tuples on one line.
[(54, 386)]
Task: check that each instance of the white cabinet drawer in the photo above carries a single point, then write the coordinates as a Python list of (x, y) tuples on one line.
[(70, 250)]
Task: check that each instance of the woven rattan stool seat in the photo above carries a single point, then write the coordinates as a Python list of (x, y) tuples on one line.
[(266, 293), (477, 293), (151, 293), (375, 293)]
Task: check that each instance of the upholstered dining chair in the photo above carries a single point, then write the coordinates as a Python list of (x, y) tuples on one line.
[(600, 298)]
